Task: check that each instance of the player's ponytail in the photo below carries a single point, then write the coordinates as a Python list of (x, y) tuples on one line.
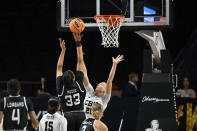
[(97, 111), (68, 78), (53, 104)]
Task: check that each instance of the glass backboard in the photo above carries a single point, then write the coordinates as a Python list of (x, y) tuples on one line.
[(140, 14)]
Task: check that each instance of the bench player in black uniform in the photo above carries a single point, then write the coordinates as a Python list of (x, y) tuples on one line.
[(15, 108), (94, 124), (71, 90)]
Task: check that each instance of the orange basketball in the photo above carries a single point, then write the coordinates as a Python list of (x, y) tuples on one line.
[(77, 25)]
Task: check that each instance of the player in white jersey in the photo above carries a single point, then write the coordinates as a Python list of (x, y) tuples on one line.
[(92, 98), (53, 121), (102, 92)]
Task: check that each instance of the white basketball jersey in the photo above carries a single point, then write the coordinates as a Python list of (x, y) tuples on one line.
[(54, 122), (91, 99)]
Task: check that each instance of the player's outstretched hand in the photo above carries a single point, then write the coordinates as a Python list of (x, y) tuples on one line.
[(77, 36), (62, 44), (118, 59)]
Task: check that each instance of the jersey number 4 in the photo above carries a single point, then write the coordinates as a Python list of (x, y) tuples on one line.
[(16, 115), (72, 99)]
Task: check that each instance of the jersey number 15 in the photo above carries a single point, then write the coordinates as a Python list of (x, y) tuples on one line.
[(48, 126)]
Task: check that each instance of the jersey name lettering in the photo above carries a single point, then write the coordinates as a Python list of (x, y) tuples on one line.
[(88, 122), (15, 104), (72, 91), (49, 117)]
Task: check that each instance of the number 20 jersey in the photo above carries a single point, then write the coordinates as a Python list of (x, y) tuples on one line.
[(71, 98), (15, 109), (91, 99)]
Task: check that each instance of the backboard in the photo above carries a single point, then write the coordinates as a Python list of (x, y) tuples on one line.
[(139, 14)]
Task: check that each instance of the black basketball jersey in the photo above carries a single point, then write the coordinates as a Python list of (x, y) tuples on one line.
[(15, 109), (71, 98), (87, 125)]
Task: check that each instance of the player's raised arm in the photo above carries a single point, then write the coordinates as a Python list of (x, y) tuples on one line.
[(1, 116), (60, 62), (80, 61), (118, 59)]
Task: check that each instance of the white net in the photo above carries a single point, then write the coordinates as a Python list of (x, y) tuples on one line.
[(67, 21), (109, 27)]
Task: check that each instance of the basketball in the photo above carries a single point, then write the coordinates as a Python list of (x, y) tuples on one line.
[(77, 25)]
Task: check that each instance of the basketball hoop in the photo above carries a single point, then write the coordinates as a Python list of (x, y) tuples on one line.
[(109, 26)]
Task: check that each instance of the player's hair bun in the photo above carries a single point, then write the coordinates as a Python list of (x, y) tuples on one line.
[(97, 110), (53, 104)]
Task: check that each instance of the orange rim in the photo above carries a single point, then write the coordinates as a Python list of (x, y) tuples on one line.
[(113, 22), (106, 17)]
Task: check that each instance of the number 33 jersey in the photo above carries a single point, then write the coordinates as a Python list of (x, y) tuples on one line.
[(71, 98), (53, 122), (91, 99), (15, 109)]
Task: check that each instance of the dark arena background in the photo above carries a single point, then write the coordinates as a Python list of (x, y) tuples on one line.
[(29, 50)]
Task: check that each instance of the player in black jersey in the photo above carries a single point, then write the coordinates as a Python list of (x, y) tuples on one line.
[(71, 90), (15, 108), (94, 124)]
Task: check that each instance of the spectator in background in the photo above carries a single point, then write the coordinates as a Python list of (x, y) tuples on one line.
[(131, 90), (42, 83), (186, 91), (116, 91), (41, 93)]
